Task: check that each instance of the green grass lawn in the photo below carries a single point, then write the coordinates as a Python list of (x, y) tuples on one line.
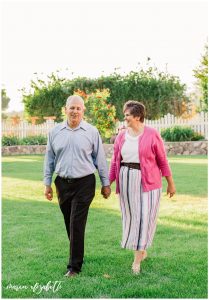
[(35, 245)]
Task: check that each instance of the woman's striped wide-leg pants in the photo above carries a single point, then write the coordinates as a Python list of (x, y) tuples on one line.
[(139, 210)]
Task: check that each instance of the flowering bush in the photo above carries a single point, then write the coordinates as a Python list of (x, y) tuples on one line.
[(99, 112), (81, 93)]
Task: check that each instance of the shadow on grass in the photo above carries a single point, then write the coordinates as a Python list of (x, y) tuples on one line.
[(189, 221), (27, 170), (35, 250), (183, 174)]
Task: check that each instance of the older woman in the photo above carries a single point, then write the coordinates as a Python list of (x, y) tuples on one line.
[(138, 164)]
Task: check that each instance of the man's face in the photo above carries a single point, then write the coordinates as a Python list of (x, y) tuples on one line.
[(74, 111)]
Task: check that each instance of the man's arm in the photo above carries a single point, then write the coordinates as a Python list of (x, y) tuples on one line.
[(49, 169), (101, 164)]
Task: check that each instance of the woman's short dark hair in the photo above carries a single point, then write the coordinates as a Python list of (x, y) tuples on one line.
[(136, 109)]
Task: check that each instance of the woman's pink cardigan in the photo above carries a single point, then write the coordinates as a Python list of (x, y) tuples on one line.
[(152, 157)]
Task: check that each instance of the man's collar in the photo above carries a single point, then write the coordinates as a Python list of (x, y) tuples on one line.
[(81, 125)]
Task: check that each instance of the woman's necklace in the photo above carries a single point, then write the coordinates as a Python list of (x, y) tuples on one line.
[(136, 132)]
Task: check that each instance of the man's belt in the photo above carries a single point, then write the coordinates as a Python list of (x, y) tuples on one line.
[(131, 165), (73, 180)]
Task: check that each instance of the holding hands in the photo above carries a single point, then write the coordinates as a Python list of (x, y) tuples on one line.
[(106, 191)]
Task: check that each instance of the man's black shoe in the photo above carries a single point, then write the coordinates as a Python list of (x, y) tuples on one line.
[(71, 274)]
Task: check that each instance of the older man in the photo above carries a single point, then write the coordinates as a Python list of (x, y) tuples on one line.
[(74, 152)]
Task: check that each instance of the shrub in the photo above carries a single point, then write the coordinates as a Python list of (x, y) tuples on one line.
[(10, 141), (30, 140), (197, 137), (34, 140), (178, 133)]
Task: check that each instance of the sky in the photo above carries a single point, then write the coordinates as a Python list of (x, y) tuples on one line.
[(91, 38)]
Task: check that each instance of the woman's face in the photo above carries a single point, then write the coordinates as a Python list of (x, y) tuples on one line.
[(130, 120)]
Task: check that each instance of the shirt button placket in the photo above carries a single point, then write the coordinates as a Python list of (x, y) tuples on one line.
[(71, 151)]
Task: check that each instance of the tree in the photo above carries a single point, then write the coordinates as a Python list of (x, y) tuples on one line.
[(4, 100), (161, 93), (201, 73), (45, 98)]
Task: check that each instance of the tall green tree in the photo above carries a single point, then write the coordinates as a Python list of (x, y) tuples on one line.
[(201, 73), (161, 93)]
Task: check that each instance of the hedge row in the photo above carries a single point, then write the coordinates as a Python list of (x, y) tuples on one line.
[(171, 134), (30, 140), (160, 92)]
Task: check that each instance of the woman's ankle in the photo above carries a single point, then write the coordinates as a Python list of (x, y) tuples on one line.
[(138, 256)]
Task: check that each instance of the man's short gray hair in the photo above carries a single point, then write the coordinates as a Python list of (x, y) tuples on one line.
[(74, 97)]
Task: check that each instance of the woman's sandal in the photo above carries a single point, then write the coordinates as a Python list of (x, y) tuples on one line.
[(144, 256), (136, 268)]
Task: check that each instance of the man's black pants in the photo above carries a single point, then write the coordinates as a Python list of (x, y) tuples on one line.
[(75, 197)]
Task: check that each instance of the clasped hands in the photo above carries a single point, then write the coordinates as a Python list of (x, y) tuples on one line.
[(106, 191)]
